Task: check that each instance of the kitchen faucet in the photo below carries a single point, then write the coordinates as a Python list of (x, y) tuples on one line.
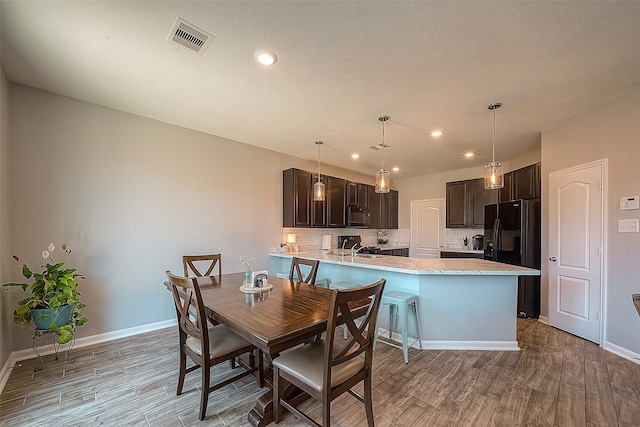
[(354, 251), (344, 242)]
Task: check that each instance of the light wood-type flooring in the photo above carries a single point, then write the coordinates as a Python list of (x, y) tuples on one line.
[(556, 379)]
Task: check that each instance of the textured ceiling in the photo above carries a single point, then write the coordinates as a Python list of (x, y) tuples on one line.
[(428, 65)]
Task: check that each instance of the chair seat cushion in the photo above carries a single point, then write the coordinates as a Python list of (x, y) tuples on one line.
[(221, 341), (307, 364)]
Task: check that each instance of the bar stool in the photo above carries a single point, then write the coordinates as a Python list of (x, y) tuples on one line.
[(400, 302)]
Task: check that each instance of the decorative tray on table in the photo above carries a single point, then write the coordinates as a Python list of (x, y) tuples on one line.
[(259, 282), (255, 290)]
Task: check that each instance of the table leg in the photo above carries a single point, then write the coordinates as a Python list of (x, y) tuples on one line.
[(262, 414)]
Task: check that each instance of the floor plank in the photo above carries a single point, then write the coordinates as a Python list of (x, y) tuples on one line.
[(556, 379)]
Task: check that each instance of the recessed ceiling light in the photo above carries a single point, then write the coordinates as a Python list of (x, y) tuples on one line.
[(468, 154), (436, 133), (355, 156), (265, 57), (396, 169)]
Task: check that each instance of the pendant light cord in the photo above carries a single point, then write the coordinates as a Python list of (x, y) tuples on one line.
[(383, 144), (318, 144), (493, 155)]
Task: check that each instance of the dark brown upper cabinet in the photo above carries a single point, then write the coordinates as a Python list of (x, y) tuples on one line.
[(296, 206), (466, 199), (457, 204), (300, 210), (357, 195), (319, 208), (383, 208), (478, 198), (506, 193), (336, 202), (526, 183)]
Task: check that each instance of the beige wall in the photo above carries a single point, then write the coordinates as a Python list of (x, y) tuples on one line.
[(5, 255), (611, 131), (130, 195)]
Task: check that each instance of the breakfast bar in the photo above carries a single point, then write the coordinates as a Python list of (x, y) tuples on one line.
[(464, 304)]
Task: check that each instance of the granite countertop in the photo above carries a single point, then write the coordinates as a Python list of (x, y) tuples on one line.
[(381, 247), (465, 251), (431, 266)]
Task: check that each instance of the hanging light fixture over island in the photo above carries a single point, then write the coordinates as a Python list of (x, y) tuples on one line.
[(318, 187), (382, 175), (493, 175)]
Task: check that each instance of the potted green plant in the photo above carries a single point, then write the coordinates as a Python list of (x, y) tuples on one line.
[(53, 303)]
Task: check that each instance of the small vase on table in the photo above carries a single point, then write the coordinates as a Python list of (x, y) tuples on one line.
[(247, 279)]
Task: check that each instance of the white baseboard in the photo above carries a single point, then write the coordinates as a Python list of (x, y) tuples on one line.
[(543, 319), (453, 345), (80, 342), (622, 352), (471, 345)]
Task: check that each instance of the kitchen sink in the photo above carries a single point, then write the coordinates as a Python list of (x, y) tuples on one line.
[(359, 255), (370, 256)]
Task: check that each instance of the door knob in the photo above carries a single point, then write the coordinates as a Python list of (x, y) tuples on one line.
[(552, 259)]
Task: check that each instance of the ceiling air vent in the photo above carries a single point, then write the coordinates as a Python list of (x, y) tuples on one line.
[(380, 146), (190, 36)]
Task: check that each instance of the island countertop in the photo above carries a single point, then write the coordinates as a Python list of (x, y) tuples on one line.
[(419, 266)]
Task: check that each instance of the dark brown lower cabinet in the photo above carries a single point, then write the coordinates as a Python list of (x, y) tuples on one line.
[(395, 252)]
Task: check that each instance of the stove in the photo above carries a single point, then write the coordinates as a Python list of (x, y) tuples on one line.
[(370, 250), (348, 242)]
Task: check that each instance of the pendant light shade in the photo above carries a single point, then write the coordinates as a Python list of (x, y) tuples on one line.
[(318, 187), (493, 174), (382, 175)]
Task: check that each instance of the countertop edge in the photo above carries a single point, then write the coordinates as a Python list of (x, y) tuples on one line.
[(420, 266)]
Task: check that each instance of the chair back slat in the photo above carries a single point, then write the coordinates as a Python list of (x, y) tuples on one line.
[(191, 263), (361, 337), (190, 326), (295, 273)]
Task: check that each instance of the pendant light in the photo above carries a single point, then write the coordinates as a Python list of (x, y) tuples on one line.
[(493, 176), (318, 187), (382, 175)]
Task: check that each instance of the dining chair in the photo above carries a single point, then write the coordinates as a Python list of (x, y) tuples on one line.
[(192, 262), (325, 370), (295, 273), (207, 346)]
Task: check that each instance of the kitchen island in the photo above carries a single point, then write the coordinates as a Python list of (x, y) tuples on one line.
[(465, 304)]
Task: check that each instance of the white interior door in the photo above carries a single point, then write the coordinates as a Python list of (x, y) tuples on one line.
[(575, 264), (427, 228)]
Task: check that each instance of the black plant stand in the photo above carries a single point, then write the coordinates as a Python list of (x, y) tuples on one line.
[(38, 334)]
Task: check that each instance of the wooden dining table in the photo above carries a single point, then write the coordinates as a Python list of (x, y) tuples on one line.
[(272, 320)]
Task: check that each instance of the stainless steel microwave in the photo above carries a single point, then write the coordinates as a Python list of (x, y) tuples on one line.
[(358, 217)]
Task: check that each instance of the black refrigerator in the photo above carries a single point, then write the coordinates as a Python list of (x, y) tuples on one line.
[(512, 236)]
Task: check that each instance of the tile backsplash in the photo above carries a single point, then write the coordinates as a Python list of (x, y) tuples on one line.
[(310, 239), (455, 236)]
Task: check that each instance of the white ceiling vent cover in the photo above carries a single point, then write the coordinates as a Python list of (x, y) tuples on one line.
[(190, 36)]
